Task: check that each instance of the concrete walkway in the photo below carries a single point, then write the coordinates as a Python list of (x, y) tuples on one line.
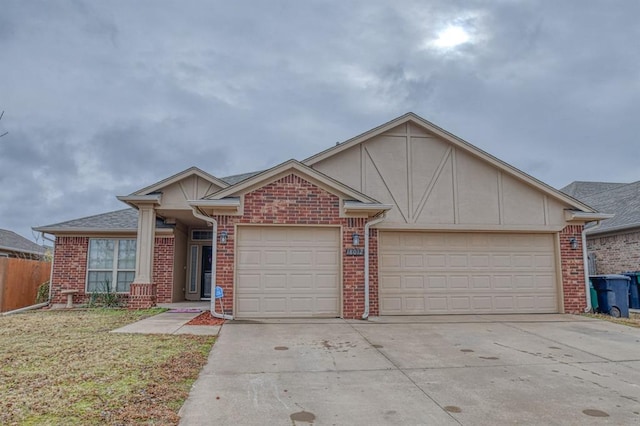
[(469, 370), (170, 323)]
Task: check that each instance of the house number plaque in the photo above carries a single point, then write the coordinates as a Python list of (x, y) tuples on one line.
[(355, 252)]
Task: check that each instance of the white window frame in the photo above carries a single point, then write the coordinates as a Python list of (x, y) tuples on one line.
[(113, 284)]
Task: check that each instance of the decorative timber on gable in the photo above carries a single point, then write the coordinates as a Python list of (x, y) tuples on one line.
[(436, 182)]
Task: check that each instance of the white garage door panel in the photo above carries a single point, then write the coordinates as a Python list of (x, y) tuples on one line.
[(458, 273), (287, 272)]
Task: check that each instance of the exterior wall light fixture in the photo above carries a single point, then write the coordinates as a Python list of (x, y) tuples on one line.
[(223, 237), (574, 243), (355, 239)]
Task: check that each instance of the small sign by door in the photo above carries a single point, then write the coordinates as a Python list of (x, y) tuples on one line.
[(219, 292)]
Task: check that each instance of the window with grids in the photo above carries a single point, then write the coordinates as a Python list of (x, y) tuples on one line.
[(111, 266)]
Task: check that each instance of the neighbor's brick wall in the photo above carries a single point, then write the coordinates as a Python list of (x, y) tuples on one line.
[(616, 253), (292, 200), (573, 279), (69, 268)]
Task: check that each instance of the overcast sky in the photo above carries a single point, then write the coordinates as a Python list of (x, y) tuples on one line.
[(104, 98)]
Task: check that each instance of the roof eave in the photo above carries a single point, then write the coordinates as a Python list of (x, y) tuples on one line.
[(136, 200), (580, 216), (85, 230), (351, 206), (229, 205)]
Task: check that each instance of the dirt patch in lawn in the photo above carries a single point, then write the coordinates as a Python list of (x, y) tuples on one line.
[(206, 318), (64, 367)]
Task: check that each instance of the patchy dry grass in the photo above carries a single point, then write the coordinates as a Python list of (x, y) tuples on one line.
[(64, 367), (632, 322)]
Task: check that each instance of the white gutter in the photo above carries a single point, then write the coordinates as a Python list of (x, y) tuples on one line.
[(365, 315), (585, 259), (214, 264)]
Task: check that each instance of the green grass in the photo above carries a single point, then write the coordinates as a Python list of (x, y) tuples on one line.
[(64, 367)]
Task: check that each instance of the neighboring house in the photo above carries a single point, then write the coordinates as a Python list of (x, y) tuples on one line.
[(14, 245), (614, 244), (441, 227)]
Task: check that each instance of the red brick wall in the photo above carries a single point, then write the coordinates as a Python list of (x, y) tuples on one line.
[(616, 253), (373, 273), (69, 268), (573, 279), (292, 200), (163, 261)]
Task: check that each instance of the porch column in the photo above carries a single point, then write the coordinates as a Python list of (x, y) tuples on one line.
[(144, 244), (142, 294)]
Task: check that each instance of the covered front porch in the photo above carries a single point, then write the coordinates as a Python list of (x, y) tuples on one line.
[(176, 267)]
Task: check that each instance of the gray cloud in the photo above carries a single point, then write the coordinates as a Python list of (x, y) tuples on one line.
[(103, 98)]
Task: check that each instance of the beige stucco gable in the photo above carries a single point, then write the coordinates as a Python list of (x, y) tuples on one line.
[(434, 179), (175, 192)]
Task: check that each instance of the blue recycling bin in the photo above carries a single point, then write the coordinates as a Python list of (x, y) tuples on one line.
[(634, 289), (613, 294)]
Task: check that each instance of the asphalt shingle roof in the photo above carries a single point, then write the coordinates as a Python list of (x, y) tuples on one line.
[(126, 219), (623, 200), (581, 189), (9, 240), (232, 180)]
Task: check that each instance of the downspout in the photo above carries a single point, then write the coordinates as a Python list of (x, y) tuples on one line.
[(585, 258), (53, 257), (368, 225), (214, 264)]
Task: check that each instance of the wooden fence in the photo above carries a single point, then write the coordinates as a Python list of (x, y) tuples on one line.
[(19, 281)]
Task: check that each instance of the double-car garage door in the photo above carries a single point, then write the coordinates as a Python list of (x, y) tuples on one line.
[(295, 272), (462, 273), (287, 272)]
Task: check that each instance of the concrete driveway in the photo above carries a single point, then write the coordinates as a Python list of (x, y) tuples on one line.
[(470, 370)]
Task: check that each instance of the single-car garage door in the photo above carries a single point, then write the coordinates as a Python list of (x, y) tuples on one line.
[(287, 272), (462, 273)]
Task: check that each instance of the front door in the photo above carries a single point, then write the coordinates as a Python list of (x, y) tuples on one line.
[(205, 283)]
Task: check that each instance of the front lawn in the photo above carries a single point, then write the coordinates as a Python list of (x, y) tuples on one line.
[(64, 367)]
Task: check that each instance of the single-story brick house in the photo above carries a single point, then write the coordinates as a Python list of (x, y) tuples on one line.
[(403, 219), (614, 244), (14, 245)]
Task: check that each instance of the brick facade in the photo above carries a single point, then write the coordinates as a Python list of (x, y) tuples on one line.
[(292, 200), (374, 307), (163, 253), (70, 273), (69, 268), (615, 253), (572, 263)]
